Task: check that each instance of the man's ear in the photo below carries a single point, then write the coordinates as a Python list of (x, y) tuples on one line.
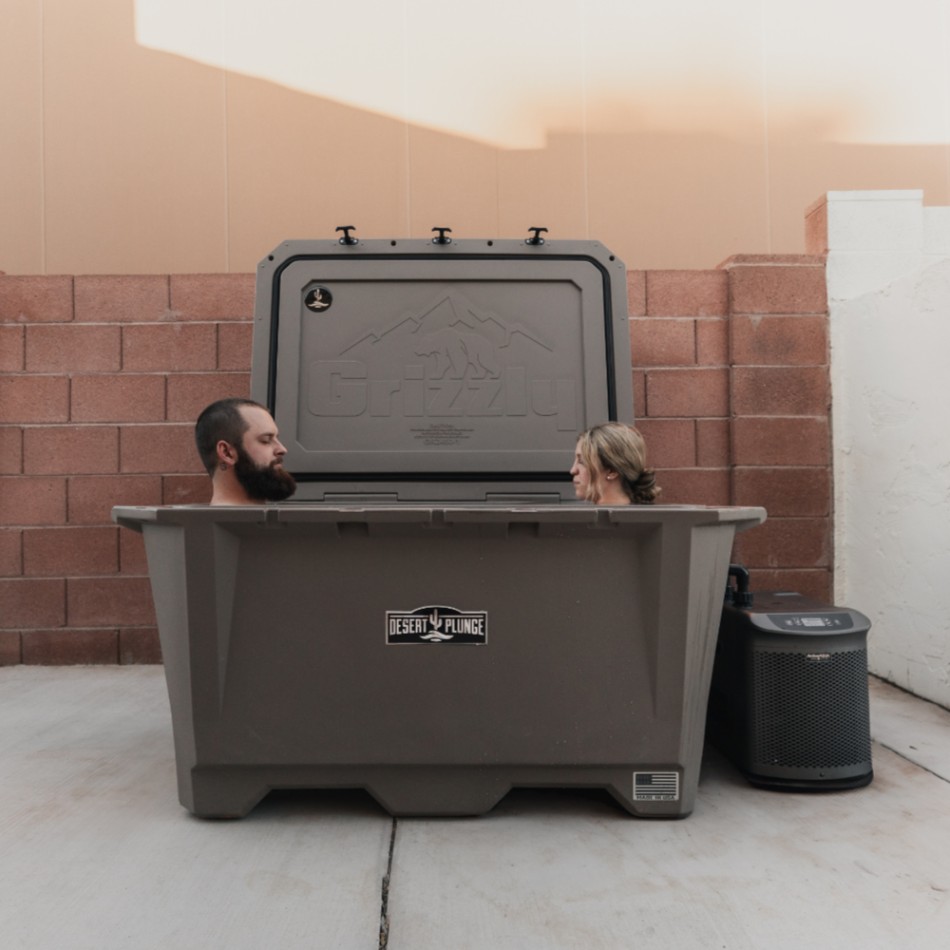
[(225, 452)]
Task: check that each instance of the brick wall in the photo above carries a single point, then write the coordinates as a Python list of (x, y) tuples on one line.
[(102, 378), (731, 392)]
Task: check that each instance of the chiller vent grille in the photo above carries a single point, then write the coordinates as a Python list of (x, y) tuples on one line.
[(811, 710)]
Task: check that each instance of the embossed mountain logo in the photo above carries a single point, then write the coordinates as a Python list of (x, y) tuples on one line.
[(449, 359), (459, 340)]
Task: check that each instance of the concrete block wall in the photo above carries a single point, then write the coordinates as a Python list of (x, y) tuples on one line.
[(731, 392), (102, 378)]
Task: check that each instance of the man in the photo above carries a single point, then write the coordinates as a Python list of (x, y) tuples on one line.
[(238, 444)]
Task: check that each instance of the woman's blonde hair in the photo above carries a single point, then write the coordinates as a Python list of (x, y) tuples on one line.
[(617, 447)]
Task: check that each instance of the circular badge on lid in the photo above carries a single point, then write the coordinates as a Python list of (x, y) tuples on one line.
[(318, 299)]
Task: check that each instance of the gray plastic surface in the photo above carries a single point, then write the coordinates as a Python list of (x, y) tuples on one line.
[(439, 372), (591, 635)]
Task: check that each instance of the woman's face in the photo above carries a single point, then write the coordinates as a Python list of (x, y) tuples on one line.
[(581, 475)]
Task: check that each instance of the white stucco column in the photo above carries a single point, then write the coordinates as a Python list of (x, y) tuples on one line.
[(888, 277)]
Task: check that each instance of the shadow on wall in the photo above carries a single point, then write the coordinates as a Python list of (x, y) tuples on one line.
[(237, 164)]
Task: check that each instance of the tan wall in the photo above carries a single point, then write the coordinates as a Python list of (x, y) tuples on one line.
[(104, 376), (142, 137)]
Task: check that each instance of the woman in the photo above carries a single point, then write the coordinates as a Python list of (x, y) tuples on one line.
[(610, 466)]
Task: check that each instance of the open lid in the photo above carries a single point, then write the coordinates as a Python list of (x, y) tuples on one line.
[(440, 369)]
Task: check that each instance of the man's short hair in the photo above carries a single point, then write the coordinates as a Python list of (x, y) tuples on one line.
[(221, 420)]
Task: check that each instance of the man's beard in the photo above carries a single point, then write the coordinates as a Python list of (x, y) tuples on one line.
[(268, 483)]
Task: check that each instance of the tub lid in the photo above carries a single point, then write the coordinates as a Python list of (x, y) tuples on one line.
[(439, 369)]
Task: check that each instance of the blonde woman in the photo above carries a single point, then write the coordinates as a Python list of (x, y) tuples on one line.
[(610, 466)]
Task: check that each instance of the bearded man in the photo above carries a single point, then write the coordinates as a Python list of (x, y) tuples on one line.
[(238, 444)]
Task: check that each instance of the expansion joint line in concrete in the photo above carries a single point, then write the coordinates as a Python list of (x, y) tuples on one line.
[(384, 902), (907, 758)]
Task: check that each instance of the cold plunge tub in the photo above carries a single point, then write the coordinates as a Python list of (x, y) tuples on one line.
[(435, 619)]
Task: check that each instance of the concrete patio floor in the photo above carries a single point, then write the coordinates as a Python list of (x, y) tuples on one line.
[(96, 852)]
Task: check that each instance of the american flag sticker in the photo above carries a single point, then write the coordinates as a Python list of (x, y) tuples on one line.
[(656, 786)]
